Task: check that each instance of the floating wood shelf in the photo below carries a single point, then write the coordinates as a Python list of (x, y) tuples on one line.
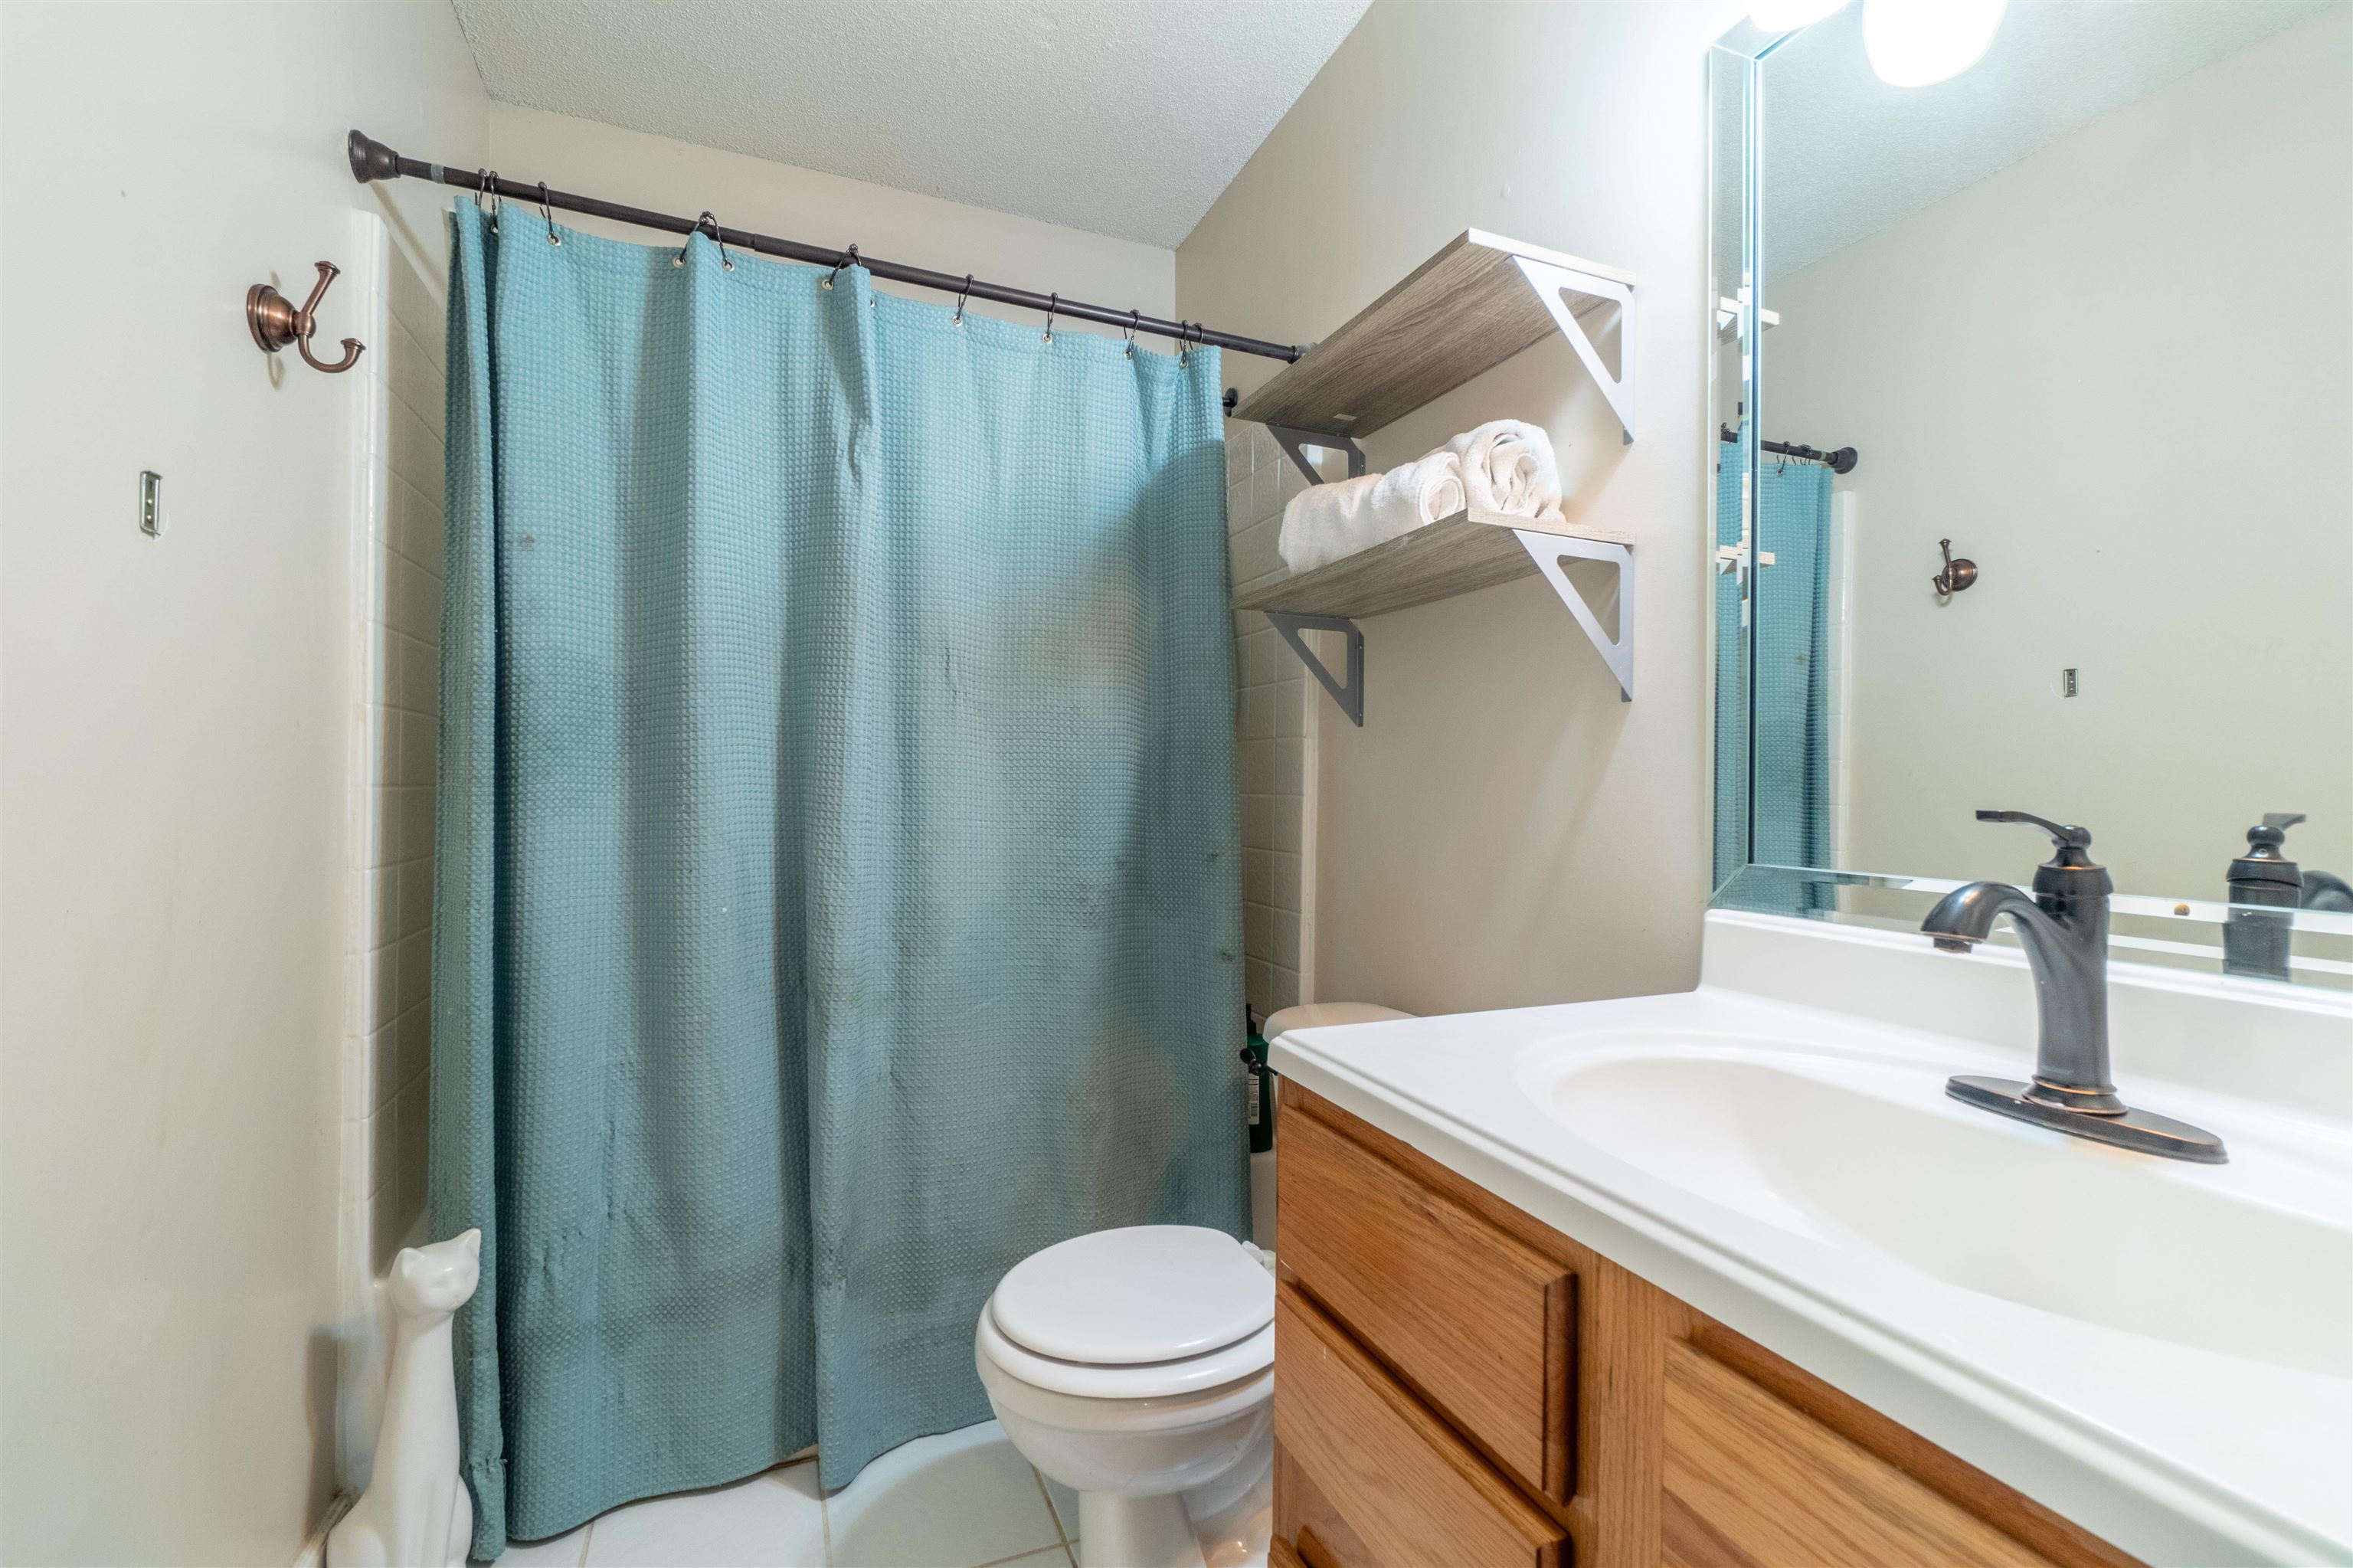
[(1455, 555), (1477, 303), (1452, 556)]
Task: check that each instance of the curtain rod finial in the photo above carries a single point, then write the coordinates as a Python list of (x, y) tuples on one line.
[(370, 159)]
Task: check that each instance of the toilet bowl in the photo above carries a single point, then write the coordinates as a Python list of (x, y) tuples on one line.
[(1136, 1367)]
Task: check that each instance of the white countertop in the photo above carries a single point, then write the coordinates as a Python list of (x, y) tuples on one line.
[(2168, 1443)]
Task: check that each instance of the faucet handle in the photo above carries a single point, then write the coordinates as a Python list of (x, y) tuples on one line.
[(2264, 839), (2071, 841)]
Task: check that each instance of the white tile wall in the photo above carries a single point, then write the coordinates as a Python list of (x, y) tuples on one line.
[(1275, 714), (400, 703)]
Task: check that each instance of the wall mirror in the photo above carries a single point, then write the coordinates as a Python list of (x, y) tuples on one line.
[(2034, 402)]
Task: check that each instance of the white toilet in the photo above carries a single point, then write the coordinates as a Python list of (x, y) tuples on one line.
[(1136, 1367)]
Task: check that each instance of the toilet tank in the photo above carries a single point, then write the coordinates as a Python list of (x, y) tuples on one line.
[(1308, 1015)]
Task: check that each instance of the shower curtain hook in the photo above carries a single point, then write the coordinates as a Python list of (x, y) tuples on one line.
[(961, 294), (1053, 303), (487, 184), (1134, 318), (849, 259), (548, 213), (708, 225)]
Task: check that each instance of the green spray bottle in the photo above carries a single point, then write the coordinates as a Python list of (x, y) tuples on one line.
[(1262, 1086)]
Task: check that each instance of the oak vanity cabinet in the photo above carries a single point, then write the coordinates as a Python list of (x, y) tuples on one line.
[(1457, 1383)]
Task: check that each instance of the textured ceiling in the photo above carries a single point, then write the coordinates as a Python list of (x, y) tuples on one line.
[(1846, 156), (1124, 119)]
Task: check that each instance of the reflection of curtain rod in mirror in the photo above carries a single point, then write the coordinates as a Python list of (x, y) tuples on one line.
[(1840, 462)]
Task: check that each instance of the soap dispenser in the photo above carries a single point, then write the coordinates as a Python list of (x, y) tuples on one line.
[(2266, 887)]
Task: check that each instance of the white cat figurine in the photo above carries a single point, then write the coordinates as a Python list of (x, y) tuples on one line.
[(416, 1513)]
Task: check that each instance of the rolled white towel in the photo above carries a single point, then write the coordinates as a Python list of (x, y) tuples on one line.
[(1508, 467), (1325, 522)]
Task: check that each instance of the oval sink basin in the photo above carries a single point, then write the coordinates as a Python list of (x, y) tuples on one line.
[(1862, 1152)]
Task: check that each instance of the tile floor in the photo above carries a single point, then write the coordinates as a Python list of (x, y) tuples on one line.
[(962, 1499)]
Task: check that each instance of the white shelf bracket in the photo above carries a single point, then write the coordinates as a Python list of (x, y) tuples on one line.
[(1349, 695), (1547, 550), (1291, 440), (1551, 283)]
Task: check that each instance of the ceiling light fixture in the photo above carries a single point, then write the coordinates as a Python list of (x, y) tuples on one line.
[(1913, 42)]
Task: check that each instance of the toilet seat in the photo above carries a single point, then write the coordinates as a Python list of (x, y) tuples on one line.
[(1143, 1312), (1245, 1358), (1141, 1293)]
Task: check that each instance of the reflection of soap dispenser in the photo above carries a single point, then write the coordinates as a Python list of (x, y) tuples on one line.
[(2266, 888)]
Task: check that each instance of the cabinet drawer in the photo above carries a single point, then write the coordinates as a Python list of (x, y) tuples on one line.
[(1476, 1321), (1751, 1481), (1305, 1519), (1408, 1489)]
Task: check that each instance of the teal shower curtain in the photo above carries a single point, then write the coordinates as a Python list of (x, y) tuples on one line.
[(836, 896), (1783, 647)]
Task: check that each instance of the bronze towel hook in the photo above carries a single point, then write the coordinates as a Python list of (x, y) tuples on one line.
[(1957, 575), (275, 322)]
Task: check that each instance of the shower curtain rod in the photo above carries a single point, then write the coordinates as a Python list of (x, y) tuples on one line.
[(1840, 462), (372, 160)]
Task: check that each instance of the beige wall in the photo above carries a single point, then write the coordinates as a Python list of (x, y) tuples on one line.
[(2113, 375), (177, 724), (1503, 831), (826, 209)]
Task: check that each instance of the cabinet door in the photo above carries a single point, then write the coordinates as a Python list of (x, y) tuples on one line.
[(1478, 1324), (1751, 1481), (1410, 1491)]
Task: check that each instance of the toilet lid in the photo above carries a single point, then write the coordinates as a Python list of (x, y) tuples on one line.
[(1146, 1293)]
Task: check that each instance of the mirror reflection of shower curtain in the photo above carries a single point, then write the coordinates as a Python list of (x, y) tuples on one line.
[(1783, 646)]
